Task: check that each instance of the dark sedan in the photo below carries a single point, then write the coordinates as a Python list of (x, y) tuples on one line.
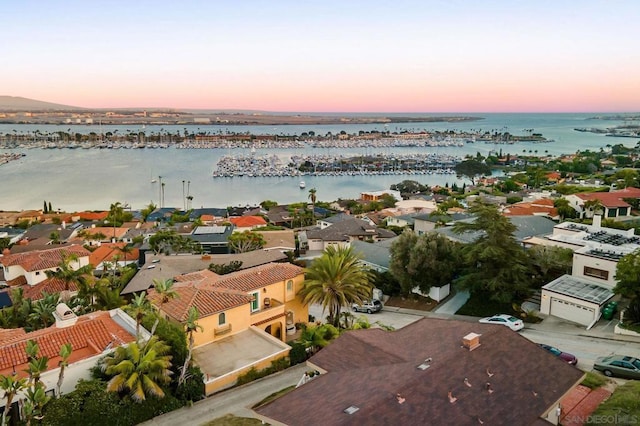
[(626, 367), (565, 356)]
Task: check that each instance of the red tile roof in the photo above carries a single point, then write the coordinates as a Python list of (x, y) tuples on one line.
[(92, 216), (109, 252), (248, 221), (258, 277), (89, 336), (42, 259), (49, 286), (608, 199)]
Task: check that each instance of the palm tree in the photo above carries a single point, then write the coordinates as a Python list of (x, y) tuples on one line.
[(190, 327), (125, 250), (140, 369), (11, 385), (317, 337), (164, 289), (68, 274), (65, 353), (42, 314), (312, 197), (140, 307), (336, 279)]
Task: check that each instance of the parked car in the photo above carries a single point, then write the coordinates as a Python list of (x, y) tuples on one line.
[(504, 319), (565, 356), (370, 306), (626, 367)]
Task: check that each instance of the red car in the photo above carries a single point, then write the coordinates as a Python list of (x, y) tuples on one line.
[(571, 359)]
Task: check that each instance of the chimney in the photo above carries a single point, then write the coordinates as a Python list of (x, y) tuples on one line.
[(64, 316), (471, 341), (64, 225), (597, 221)]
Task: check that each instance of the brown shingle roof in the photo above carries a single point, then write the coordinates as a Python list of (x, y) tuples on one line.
[(368, 368), (42, 259)]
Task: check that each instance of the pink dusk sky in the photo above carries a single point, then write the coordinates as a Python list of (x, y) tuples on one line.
[(329, 56)]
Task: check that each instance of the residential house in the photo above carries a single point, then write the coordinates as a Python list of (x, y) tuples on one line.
[(168, 266), (403, 221), (526, 227), (282, 241), (431, 372), (208, 216), (12, 234), (341, 234), (245, 317), (541, 207), (29, 216), (161, 214), (280, 216), (247, 223), (331, 220), (377, 195), (428, 222), (91, 336), (111, 255), (580, 297), (212, 239), (613, 203), (28, 270), (96, 235)]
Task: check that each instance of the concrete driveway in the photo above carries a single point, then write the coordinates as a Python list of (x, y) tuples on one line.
[(388, 316)]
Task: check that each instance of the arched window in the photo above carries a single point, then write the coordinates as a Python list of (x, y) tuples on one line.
[(222, 319)]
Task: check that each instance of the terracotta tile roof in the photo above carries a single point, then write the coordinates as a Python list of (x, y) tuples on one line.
[(369, 368), (247, 221), (16, 282), (92, 216), (264, 321), (90, 336), (109, 251), (109, 231), (208, 301), (42, 259), (608, 199), (258, 277), (212, 293), (49, 286)]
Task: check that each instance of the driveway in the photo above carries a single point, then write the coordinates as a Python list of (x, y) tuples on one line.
[(389, 316)]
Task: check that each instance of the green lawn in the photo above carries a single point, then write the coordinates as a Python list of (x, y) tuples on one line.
[(623, 407), (594, 380)]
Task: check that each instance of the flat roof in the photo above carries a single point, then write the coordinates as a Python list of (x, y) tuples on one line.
[(579, 288)]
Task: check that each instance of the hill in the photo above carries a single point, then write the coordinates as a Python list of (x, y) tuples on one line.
[(16, 103)]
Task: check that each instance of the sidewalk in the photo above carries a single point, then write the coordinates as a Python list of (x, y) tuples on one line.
[(451, 306)]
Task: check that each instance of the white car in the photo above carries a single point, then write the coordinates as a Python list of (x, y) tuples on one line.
[(504, 319)]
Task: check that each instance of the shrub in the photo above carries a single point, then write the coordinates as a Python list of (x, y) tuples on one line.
[(193, 388), (594, 380), (297, 354)]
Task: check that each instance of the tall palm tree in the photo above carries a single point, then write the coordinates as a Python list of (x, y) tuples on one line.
[(69, 275), (164, 289), (42, 313), (140, 369), (336, 279), (65, 353), (11, 385), (191, 327), (140, 307), (126, 249), (312, 197)]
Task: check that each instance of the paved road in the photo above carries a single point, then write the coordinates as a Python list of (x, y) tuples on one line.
[(237, 401)]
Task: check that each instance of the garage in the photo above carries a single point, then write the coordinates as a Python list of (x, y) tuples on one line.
[(576, 313), (574, 299)]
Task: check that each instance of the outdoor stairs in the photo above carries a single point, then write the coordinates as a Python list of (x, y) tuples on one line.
[(533, 302)]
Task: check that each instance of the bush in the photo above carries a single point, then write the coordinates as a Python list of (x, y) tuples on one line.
[(193, 388), (253, 374), (297, 354), (594, 380)]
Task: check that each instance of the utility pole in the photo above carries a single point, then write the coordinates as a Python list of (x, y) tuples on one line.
[(160, 191), (184, 200)]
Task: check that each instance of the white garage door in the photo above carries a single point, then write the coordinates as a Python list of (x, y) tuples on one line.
[(572, 312)]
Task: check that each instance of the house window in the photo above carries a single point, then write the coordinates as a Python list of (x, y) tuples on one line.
[(612, 212), (255, 304), (222, 319), (290, 285), (596, 273), (37, 272)]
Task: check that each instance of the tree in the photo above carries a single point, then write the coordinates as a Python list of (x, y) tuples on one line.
[(336, 279), (400, 255), (225, 268), (628, 275), (592, 207), (45, 210), (65, 353), (191, 327), (312, 197), (11, 385), (126, 249), (242, 242), (147, 211), (138, 308), (165, 291), (69, 275), (433, 262), (140, 369), (472, 168), (549, 263), (496, 265), (317, 337), (564, 208)]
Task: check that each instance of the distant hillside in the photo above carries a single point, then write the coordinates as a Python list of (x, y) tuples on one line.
[(16, 103)]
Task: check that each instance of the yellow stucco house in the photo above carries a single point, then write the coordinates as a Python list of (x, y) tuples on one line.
[(245, 317)]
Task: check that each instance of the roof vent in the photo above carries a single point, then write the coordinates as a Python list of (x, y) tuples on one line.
[(64, 316), (351, 409), (471, 341), (426, 364)]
